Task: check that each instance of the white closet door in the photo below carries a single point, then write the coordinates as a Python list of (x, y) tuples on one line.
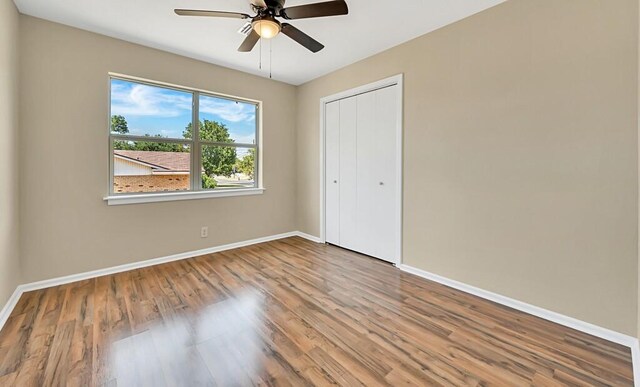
[(377, 173), (348, 174), (386, 232), (362, 173), (367, 180), (332, 172)]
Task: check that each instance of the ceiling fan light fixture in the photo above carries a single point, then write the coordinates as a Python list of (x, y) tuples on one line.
[(267, 28)]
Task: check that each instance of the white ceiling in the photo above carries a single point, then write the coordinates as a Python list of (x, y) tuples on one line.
[(372, 26)]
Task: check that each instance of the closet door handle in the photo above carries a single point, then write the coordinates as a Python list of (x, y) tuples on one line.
[(381, 183), (335, 182)]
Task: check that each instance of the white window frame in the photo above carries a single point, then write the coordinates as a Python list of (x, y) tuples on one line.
[(195, 176)]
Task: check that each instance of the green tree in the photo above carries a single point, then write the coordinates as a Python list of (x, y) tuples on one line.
[(216, 160), (119, 125), (247, 163), (209, 182)]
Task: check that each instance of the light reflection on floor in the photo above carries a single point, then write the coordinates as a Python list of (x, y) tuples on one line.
[(222, 341)]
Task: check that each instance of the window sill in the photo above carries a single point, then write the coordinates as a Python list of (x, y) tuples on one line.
[(117, 200)]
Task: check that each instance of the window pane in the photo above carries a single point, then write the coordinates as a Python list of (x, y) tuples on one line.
[(150, 167), (223, 120), (228, 167), (143, 110)]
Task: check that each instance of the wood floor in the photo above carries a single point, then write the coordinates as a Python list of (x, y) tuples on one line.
[(289, 312)]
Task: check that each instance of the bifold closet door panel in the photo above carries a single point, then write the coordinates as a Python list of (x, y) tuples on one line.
[(348, 174), (367, 179), (332, 172), (387, 147), (377, 173)]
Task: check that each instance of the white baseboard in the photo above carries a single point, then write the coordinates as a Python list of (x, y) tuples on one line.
[(309, 237), (6, 311), (635, 356), (8, 307), (582, 326)]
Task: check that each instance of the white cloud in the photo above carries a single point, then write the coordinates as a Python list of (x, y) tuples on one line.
[(143, 100), (229, 110), (244, 139)]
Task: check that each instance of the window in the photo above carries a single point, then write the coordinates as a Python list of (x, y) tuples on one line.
[(169, 143)]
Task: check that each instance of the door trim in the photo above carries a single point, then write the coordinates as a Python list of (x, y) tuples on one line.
[(381, 84)]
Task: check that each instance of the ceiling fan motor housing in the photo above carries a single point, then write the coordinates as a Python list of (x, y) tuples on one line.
[(275, 6)]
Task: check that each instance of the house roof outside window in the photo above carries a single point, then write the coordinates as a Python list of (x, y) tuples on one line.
[(158, 162)]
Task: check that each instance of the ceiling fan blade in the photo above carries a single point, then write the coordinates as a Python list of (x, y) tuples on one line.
[(195, 12), (249, 42), (310, 43), (328, 8)]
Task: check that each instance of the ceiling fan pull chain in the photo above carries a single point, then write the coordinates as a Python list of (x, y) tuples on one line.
[(270, 60), (260, 65)]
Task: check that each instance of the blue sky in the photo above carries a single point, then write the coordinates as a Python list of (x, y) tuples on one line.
[(154, 110)]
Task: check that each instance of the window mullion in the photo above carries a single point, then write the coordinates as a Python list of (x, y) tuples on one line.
[(164, 140), (228, 144), (195, 161), (257, 176), (111, 166)]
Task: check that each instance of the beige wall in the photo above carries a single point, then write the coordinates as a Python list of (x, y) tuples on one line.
[(66, 227), (9, 264), (520, 143)]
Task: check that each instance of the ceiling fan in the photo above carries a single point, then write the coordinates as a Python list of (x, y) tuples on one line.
[(264, 24)]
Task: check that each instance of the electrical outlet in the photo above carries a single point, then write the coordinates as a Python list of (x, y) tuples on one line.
[(204, 232)]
